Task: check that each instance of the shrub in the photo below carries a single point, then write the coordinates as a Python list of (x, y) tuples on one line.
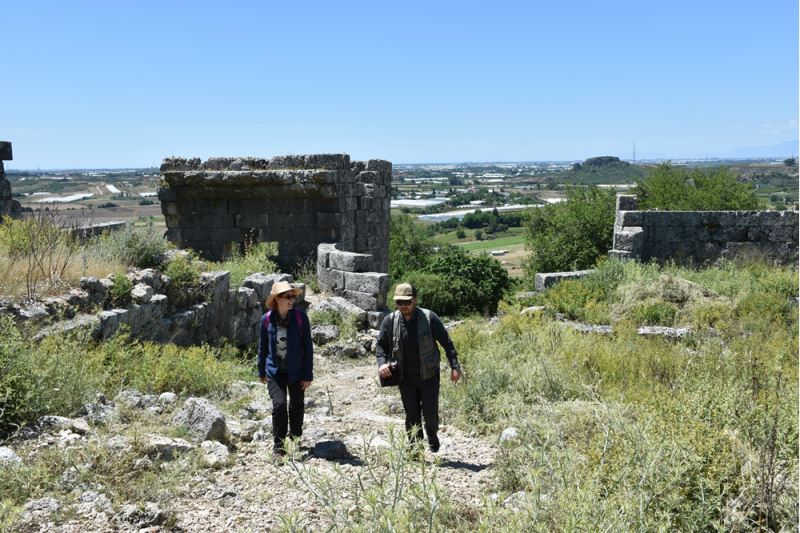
[(481, 280), (121, 290), (306, 272), (184, 276), (410, 247), (256, 258), (136, 247), (36, 250), (440, 294), (570, 235), (654, 313), (678, 188)]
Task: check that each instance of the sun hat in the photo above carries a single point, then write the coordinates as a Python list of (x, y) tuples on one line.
[(404, 291), (280, 287)]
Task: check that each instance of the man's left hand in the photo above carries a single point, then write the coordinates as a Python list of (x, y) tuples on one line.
[(305, 384), (455, 374)]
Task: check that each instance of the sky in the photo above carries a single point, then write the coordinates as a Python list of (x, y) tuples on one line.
[(91, 84)]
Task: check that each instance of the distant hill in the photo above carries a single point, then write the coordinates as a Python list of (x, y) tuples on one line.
[(603, 169)]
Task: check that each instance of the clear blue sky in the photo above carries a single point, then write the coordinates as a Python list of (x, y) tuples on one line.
[(115, 84)]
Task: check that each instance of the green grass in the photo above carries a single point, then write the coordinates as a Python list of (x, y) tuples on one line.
[(451, 236), (495, 244), (624, 433)]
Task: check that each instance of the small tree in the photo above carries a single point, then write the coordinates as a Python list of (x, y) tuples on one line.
[(676, 188), (570, 235), (410, 247)]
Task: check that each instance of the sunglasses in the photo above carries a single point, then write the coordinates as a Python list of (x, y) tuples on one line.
[(289, 296), (403, 303)]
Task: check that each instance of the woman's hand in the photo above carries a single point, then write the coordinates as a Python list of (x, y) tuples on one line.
[(304, 384), (263, 379)]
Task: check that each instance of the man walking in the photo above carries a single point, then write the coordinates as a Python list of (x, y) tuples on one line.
[(409, 336)]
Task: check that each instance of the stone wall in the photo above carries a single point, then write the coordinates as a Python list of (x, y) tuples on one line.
[(215, 310), (216, 206), (350, 275), (702, 237), (8, 206)]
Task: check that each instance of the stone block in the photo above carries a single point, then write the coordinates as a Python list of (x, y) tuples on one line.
[(368, 282), (325, 220), (629, 218), (627, 202), (380, 165), (364, 300), (630, 239), (330, 279), (250, 220), (545, 280), (5, 151), (350, 261)]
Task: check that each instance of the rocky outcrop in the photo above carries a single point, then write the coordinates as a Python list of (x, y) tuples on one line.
[(202, 420)]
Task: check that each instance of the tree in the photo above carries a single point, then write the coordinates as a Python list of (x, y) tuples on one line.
[(790, 162), (478, 235), (679, 189), (570, 235), (460, 234), (410, 247)]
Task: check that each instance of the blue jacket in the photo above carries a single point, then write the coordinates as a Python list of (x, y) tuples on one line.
[(300, 349)]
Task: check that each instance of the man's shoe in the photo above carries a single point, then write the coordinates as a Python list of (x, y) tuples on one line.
[(433, 443)]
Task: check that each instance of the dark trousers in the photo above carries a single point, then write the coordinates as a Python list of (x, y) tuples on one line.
[(281, 421), (421, 399)]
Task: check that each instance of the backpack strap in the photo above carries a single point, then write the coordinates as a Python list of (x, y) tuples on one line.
[(297, 318)]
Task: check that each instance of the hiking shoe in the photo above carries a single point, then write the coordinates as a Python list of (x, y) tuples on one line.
[(433, 443)]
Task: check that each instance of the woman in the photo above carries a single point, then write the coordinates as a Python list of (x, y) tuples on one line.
[(285, 362)]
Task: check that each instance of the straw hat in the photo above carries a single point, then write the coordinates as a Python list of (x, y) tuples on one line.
[(279, 288)]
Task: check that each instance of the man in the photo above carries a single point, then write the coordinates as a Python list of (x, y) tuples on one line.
[(409, 336)]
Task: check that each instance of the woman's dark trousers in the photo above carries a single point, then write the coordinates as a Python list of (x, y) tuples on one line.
[(421, 400), (283, 422)]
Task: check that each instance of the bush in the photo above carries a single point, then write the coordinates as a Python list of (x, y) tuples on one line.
[(121, 290), (136, 247), (35, 250), (256, 258), (678, 188), (184, 276), (571, 235), (481, 281), (410, 247), (439, 294)]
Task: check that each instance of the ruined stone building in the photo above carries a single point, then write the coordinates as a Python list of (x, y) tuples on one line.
[(8, 206), (300, 202)]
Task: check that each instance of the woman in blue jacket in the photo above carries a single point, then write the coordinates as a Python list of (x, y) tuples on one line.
[(285, 361)]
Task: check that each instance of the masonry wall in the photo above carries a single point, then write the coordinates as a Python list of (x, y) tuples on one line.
[(8, 206), (702, 237), (217, 206), (350, 276)]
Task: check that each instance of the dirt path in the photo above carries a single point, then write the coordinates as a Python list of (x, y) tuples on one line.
[(346, 405)]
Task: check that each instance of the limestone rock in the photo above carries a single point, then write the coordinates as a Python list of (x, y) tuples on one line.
[(164, 447), (215, 454), (141, 293), (509, 434), (167, 398), (8, 457), (347, 310), (203, 420), (331, 449), (324, 333)]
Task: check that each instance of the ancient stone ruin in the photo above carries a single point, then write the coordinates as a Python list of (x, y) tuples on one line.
[(218, 206), (8, 206), (702, 237)]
